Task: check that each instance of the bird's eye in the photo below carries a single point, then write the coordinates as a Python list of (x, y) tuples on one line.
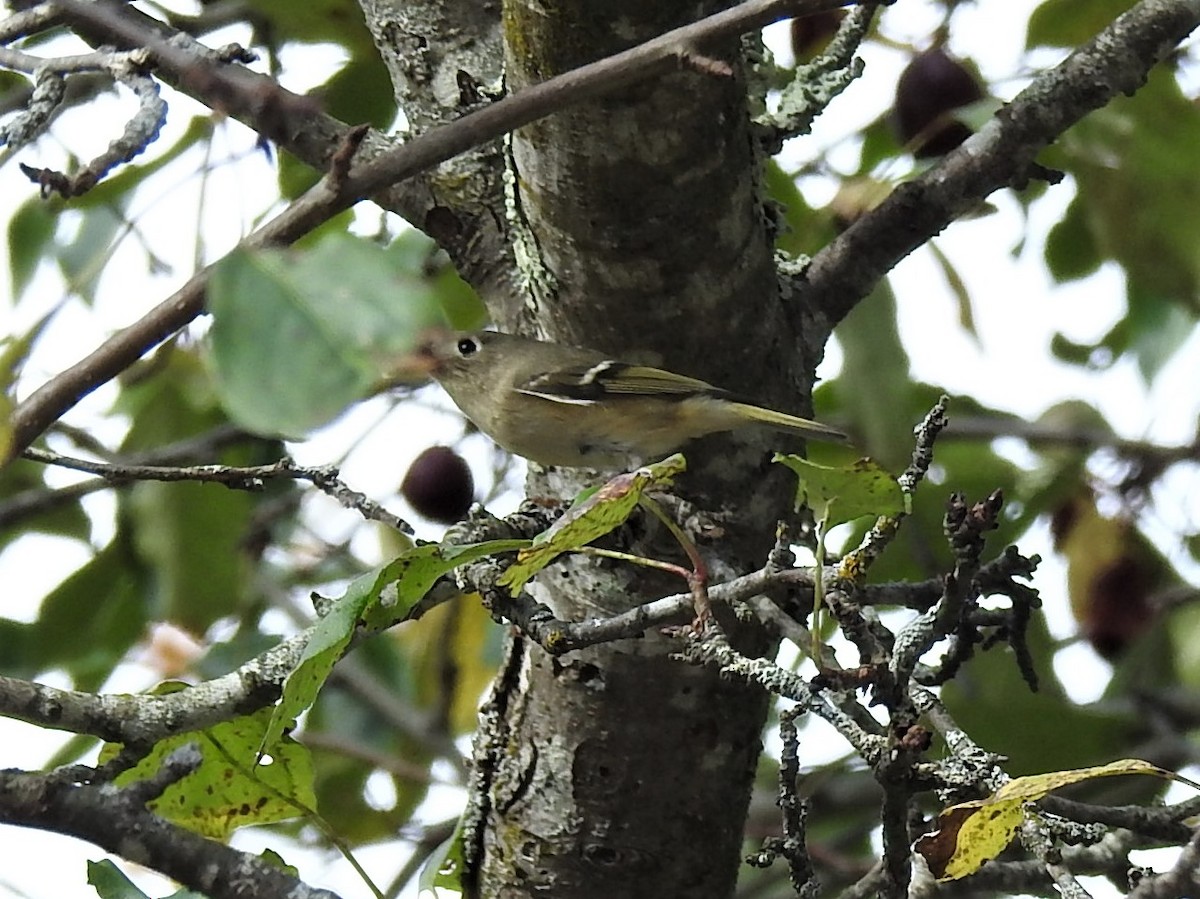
[(467, 346)]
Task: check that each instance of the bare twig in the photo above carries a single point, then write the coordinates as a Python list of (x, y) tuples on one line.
[(235, 477), (792, 846), (35, 501), (876, 540)]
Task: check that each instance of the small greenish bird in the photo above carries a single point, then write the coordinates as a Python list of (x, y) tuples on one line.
[(567, 406)]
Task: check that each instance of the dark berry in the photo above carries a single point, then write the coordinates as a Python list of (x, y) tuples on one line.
[(931, 87), (439, 485)]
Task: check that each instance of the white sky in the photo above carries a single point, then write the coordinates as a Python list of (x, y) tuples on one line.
[(1017, 311)]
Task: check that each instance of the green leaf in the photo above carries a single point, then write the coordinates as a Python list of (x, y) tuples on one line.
[(360, 91), (976, 115), (592, 515), (1152, 330), (295, 177), (30, 234), (1136, 202), (236, 783), (967, 466), (73, 751), (15, 81), (82, 258), (297, 336), (329, 640), (1157, 328), (87, 623), (1087, 354), (232, 652), (446, 867), (1069, 23), (1182, 627), (188, 535), (344, 782), (874, 386), (461, 305), (14, 350), (21, 650), (1192, 543), (966, 315), (273, 858), (375, 600), (406, 580), (879, 145), (316, 21), (1071, 251), (843, 494), (190, 538), (807, 229), (110, 881)]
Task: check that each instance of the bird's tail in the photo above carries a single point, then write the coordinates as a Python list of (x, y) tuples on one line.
[(784, 422)]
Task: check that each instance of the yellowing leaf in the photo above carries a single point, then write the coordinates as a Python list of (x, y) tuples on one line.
[(590, 517), (459, 633), (1036, 786), (1113, 574), (968, 835), (233, 786), (845, 493), (972, 833)]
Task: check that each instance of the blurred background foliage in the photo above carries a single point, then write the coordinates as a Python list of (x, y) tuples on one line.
[(168, 580)]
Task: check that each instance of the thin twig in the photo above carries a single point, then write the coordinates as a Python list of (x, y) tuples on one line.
[(235, 477)]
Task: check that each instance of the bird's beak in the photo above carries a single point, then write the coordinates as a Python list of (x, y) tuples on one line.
[(419, 364)]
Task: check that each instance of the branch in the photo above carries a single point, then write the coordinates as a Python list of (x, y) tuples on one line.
[(235, 477), (1002, 154), (1053, 434), (118, 821), (1181, 880), (792, 846), (884, 530), (28, 22), (37, 500), (965, 527), (794, 585), (710, 647), (331, 196), (141, 719), (1163, 823)]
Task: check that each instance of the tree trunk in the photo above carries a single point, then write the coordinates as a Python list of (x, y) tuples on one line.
[(619, 771)]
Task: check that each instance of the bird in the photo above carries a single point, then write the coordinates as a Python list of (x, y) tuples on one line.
[(566, 406)]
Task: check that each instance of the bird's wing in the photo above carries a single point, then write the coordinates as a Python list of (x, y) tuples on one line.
[(588, 383)]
